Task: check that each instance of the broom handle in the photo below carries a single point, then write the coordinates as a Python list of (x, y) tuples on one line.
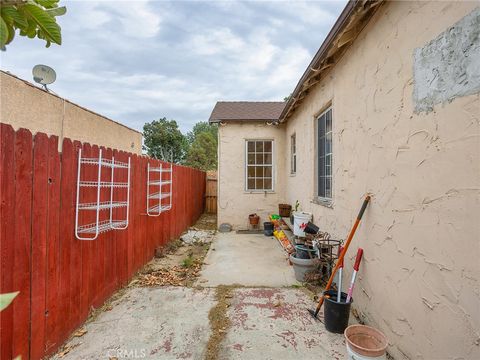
[(344, 251)]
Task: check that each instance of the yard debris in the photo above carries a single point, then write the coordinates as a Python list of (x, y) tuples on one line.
[(80, 332), (174, 276), (66, 349), (194, 235)]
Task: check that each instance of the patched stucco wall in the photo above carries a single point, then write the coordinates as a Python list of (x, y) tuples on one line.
[(23, 105), (234, 203), (419, 281)]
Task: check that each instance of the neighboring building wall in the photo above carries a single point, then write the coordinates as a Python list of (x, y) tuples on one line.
[(24, 105), (419, 281), (234, 203)]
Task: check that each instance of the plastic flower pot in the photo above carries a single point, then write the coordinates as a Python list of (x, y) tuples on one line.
[(284, 210), (254, 219), (304, 252), (365, 343), (268, 228), (302, 266), (336, 314)]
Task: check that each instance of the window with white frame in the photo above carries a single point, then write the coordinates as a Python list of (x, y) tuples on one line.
[(259, 165), (293, 154), (324, 155)]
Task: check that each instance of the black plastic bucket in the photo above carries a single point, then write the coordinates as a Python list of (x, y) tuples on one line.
[(268, 228), (311, 228), (336, 314)]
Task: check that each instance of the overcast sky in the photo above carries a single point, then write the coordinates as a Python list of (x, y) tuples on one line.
[(136, 61)]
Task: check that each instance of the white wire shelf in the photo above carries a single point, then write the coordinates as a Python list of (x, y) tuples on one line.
[(160, 200), (103, 184), (159, 209), (159, 196), (102, 189), (103, 226), (160, 183), (105, 205), (104, 162), (160, 170)]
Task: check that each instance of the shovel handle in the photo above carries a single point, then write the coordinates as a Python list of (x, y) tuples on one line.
[(342, 254)]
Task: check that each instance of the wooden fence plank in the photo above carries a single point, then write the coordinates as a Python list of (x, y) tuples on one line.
[(67, 192), (39, 244), (75, 245), (22, 238), (52, 312), (7, 229)]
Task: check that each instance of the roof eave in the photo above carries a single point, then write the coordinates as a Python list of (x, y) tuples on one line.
[(346, 22), (216, 121)]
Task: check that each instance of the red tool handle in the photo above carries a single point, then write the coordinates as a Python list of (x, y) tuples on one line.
[(340, 249), (358, 259)]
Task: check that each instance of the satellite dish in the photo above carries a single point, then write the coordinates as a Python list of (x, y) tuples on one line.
[(44, 75)]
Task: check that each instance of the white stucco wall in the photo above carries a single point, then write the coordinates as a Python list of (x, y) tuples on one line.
[(419, 281), (234, 203)]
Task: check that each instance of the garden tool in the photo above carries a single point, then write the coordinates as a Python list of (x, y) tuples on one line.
[(340, 273), (342, 255), (354, 275)]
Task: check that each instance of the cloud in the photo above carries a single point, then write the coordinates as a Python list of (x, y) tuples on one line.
[(136, 61)]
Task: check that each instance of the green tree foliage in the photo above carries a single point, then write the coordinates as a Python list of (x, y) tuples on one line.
[(163, 140), (33, 18), (202, 126), (203, 152)]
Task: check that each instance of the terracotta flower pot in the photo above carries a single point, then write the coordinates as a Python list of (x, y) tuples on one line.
[(254, 219)]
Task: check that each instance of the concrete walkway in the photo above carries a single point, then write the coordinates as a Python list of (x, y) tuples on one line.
[(275, 324), (148, 323), (267, 319), (247, 260)]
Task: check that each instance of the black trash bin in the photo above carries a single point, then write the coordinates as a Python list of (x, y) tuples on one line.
[(268, 228), (336, 314)]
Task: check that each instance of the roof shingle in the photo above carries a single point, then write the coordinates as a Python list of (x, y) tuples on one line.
[(247, 111)]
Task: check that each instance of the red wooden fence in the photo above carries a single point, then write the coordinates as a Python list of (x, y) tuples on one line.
[(59, 277)]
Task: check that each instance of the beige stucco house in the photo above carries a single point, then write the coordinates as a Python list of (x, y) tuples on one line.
[(390, 106), (24, 105)]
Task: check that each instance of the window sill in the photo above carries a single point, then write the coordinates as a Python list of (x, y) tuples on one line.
[(260, 192), (325, 203)]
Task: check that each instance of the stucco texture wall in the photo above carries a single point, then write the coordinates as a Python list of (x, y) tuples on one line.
[(234, 203), (23, 105), (419, 281)]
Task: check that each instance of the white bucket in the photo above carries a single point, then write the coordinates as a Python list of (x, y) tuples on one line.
[(300, 219), (352, 355)]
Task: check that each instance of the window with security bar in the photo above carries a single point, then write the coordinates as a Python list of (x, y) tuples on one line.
[(324, 156), (259, 165)]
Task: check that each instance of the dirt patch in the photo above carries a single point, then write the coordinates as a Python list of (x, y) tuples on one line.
[(219, 321), (179, 266), (206, 222)]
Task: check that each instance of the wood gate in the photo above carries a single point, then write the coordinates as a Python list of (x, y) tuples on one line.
[(211, 193)]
